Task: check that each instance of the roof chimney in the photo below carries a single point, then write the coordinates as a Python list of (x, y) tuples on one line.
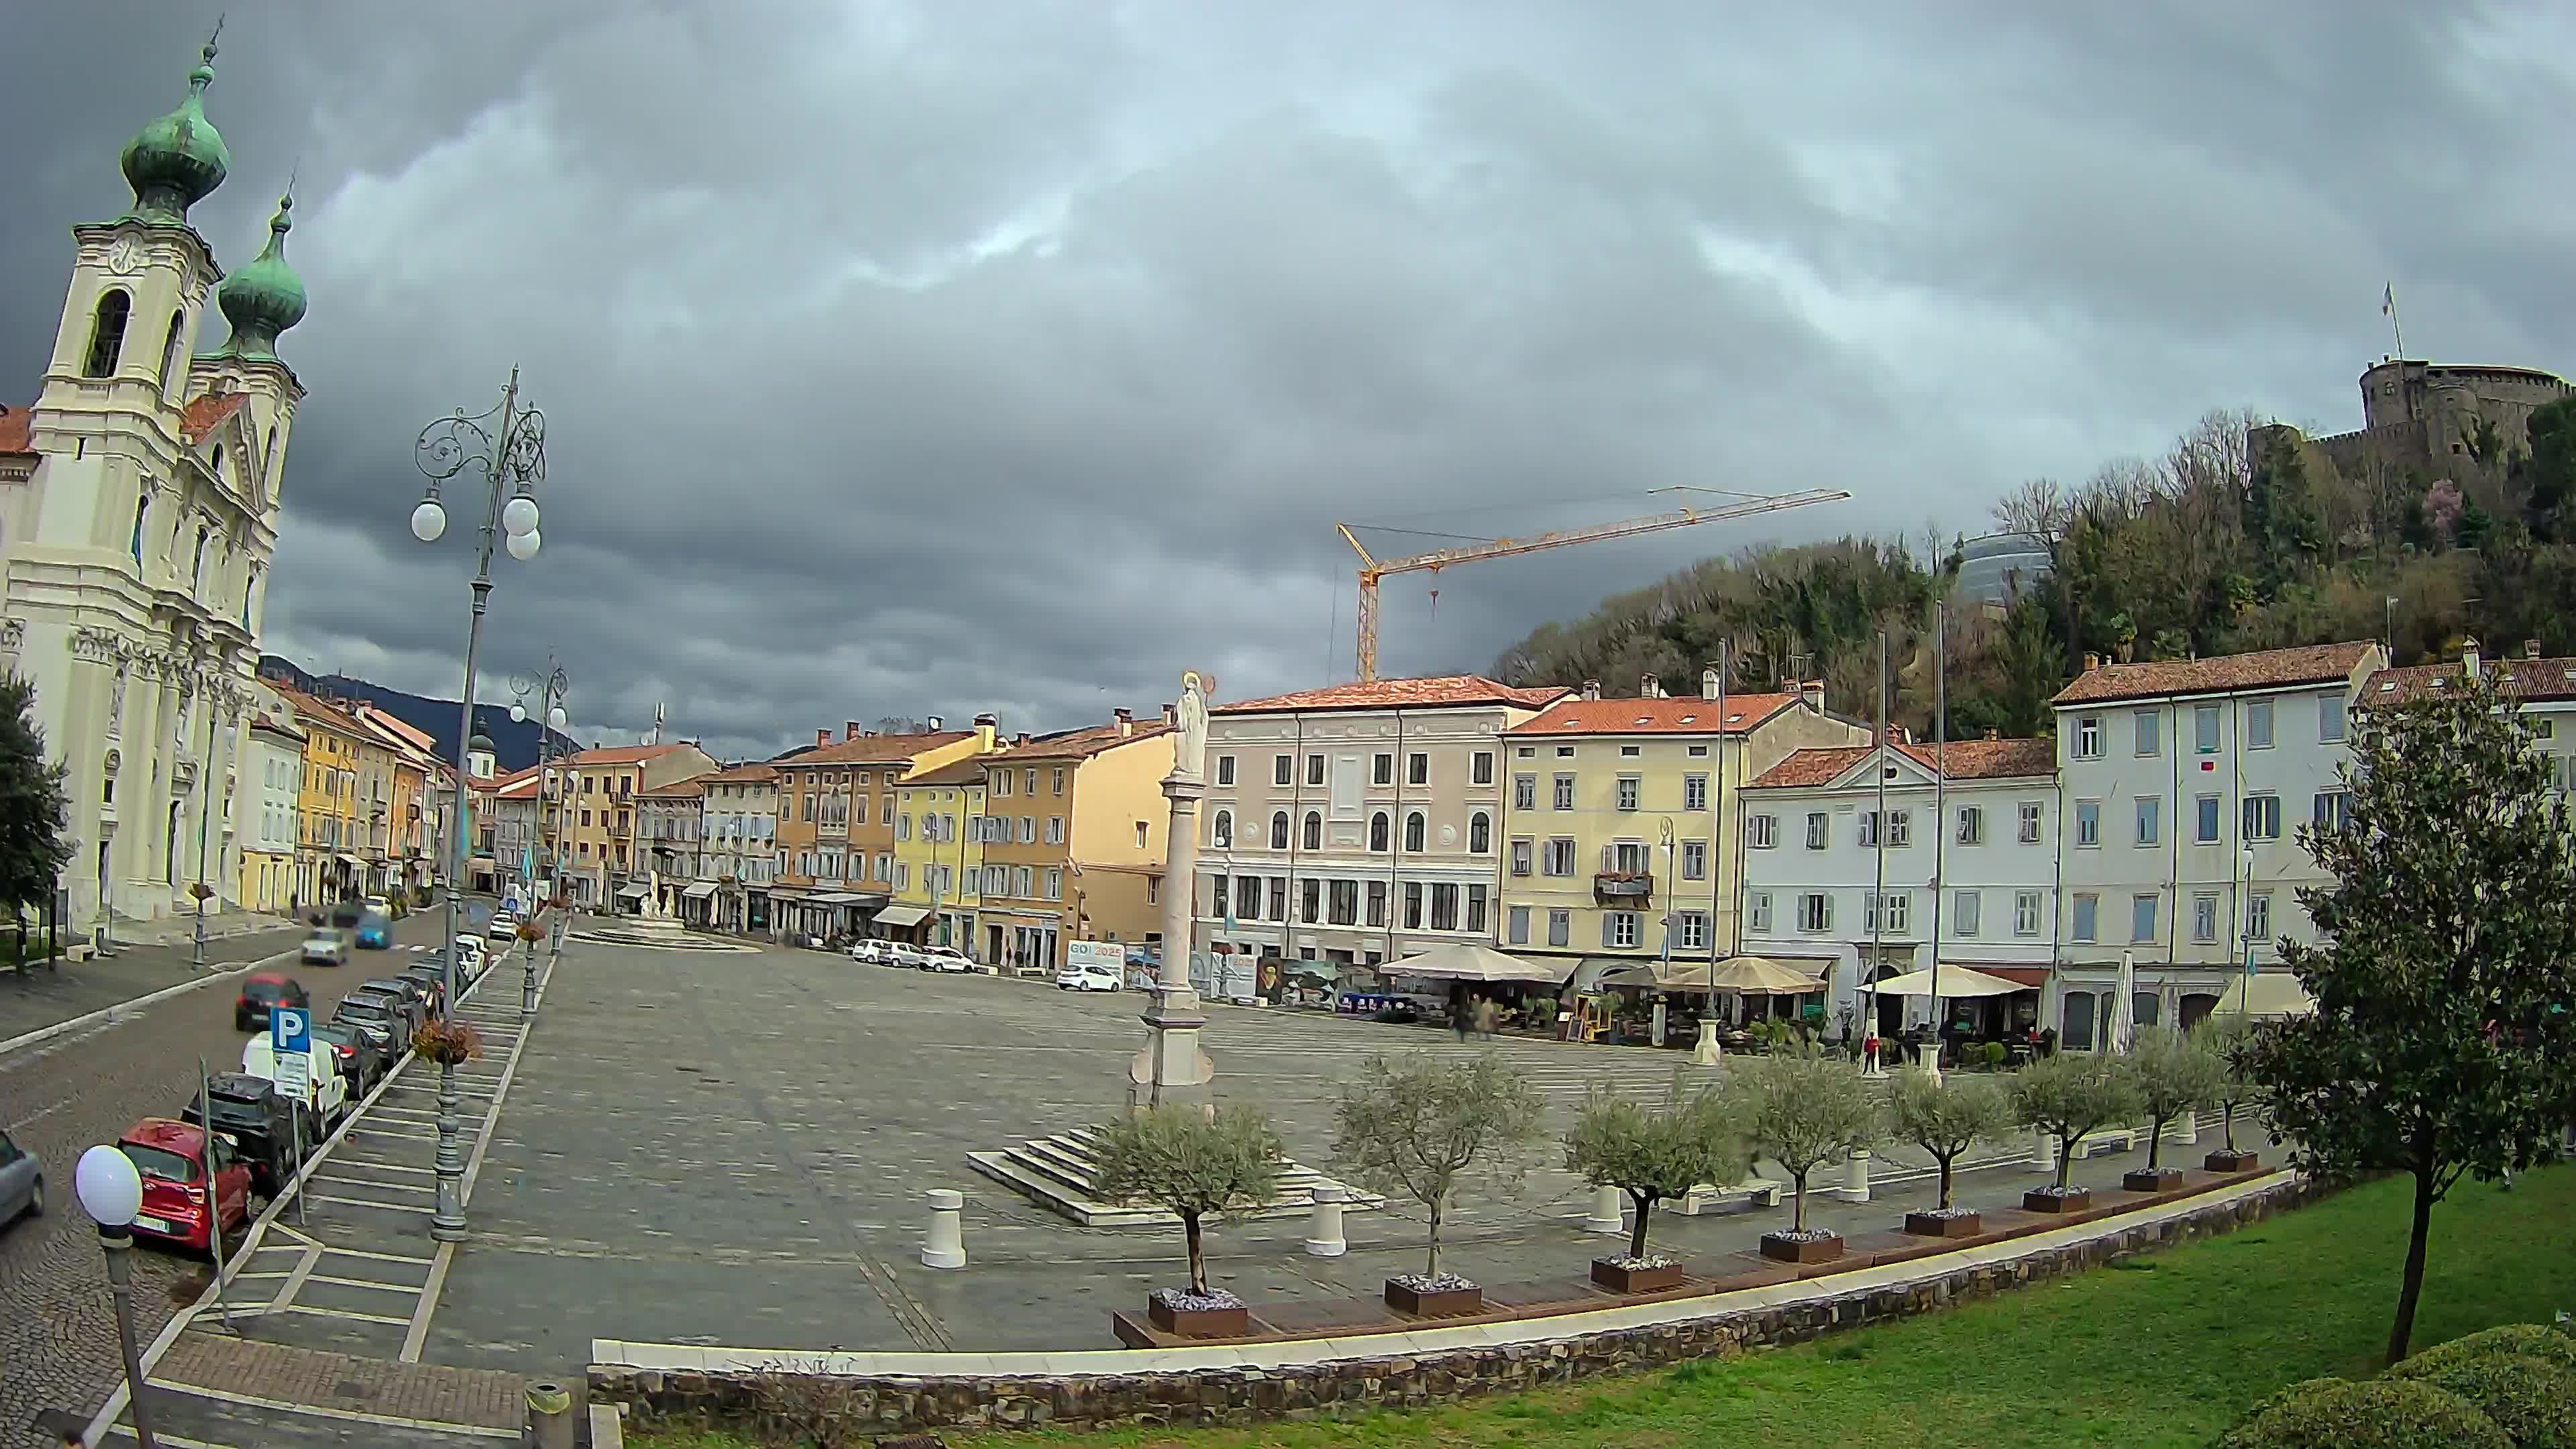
[(1708, 684), (1171, 714), (987, 725), (2092, 661), (822, 738), (1813, 692), (1021, 738), (850, 729), (1126, 721), (2530, 648), (1651, 687), (2469, 657), (1592, 689), (938, 723)]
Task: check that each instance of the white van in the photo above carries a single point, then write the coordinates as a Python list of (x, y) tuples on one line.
[(329, 1100)]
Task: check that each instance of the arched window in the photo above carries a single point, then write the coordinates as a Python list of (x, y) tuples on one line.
[(1413, 823), (1314, 830), (1221, 830), (107, 791), (170, 349), (1377, 831), (197, 562), (142, 507), (1279, 830), (1480, 833), (107, 332), (250, 586), (218, 468)]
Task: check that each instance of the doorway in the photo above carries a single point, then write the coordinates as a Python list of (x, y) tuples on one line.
[(170, 848)]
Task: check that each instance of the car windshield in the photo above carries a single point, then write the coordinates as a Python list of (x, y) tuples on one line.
[(159, 1164), (338, 1036), (271, 990), (369, 1005)]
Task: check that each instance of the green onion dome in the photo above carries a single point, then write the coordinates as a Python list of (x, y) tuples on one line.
[(178, 160)]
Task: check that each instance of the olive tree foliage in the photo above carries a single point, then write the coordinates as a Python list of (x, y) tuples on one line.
[(2069, 1096), (1802, 1110), (1415, 1128), (2225, 1037), (1945, 1116), (2174, 1074), (2443, 1043), (1654, 1153), (1194, 1164)]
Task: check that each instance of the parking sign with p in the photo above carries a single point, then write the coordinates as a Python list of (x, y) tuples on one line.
[(290, 1029)]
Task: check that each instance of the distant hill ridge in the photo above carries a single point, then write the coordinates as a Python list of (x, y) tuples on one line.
[(514, 743)]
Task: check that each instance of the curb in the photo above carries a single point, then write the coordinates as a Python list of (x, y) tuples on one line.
[(108, 1015)]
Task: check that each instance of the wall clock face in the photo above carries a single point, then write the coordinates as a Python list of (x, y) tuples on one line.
[(126, 257)]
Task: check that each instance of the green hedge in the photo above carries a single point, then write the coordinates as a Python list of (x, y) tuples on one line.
[(2374, 1414), (2511, 1340), (2533, 1400)]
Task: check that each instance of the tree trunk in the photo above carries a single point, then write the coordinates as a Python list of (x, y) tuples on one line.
[(1798, 1203), (1945, 1181), (1431, 1267), (1198, 1262), (2156, 1143), (1637, 1238), (2411, 1287), (2065, 1160), (2227, 1125)]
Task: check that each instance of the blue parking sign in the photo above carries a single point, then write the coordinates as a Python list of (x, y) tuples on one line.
[(290, 1029)]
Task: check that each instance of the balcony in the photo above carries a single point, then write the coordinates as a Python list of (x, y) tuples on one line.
[(1624, 886), (621, 832)]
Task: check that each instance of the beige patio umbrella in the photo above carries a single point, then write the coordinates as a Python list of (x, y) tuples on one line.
[(1750, 975), (2273, 993), (1469, 962), (1956, 982)]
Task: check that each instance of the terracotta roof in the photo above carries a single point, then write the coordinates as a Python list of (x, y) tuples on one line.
[(275, 725), (871, 749), (621, 755), (15, 424), (207, 411), (1435, 692), (1082, 744), (411, 734), (321, 709), (520, 785), (2513, 678), (968, 771), (1690, 716), (2225, 674), (689, 789), (744, 775), (1967, 759)]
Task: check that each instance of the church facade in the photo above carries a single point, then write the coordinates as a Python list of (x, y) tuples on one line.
[(140, 502)]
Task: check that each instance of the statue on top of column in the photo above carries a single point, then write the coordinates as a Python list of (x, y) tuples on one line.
[(1189, 742)]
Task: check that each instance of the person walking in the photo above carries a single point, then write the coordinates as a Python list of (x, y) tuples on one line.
[(1461, 1007), (1485, 1012)]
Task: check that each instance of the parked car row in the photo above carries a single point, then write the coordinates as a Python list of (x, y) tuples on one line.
[(904, 953)]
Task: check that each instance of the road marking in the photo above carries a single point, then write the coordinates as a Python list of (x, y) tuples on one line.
[(295, 1280), (391, 1207), (374, 1165), (417, 1332), (310, 1311), (320, 1411), (367, 1283), (378, 1257), (163, 1436), (377, 1183)]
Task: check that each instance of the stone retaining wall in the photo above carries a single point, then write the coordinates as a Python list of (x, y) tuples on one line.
[(785, 1396)]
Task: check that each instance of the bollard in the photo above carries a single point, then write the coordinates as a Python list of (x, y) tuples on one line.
[(1856, 1176), (1607, 1203), (947, 1245), (1324, 1229), (2043, 1150), (2185, 1129), (550, 1423)]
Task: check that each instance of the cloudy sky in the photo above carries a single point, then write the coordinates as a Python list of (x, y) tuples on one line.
[(930, 358)]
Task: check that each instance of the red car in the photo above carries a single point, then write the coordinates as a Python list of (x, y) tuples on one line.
[(172, 1159)]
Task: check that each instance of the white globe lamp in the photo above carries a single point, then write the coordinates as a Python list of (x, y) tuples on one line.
[(557, 718), (523, 546), (519, 516), (428, 521), (518, 714), (109, 1188)]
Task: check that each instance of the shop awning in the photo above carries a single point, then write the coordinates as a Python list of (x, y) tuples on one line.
[(1957, 982), (903, 915), (844, 898), (637, 891), (1750, 975), (700, 891), (2273, 993), (1477, 963), (351, 860)]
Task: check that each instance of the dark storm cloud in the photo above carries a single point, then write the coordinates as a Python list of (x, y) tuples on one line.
[(938, 358)]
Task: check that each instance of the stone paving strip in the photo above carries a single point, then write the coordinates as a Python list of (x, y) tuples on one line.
[(332, 1297)]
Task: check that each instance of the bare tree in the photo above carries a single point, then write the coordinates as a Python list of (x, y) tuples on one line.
[(1416, 1128)]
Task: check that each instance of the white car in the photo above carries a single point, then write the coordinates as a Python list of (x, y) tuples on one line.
[(504, 927), (326, 948), (944, 958), (904, 953), (327, 1094), (470, 955), (873, 952), (1087, 978)]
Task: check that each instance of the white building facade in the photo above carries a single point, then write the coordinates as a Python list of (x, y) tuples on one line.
[(1962, 866), (2184, 784), (268, 826), (1310, 847), (139, 500), (739, 858)]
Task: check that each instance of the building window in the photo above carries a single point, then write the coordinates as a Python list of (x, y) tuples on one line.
[(1525, 792), (1278, 894), (1619, 929), (1220, 831), (2150, 818), (1444, 907), (2142, 919), (1820, 828), (1314, 833), (1480, 833), (2330, 718), (2258, 725), (2087, 923), (1694, 860), (2204, 824), (1693, 932), (1377, 903), (2333, 809), (1559, 860), (1560, 927), (2088, 822), (1480, 769), (1413, 905), (1761, 832), (2025, 913), (1516, 926), (107, 332), (1417, 769), (1415, 828), (1868, 829), (1630, 787), (1694, 792), (1521, 852), (1310, 900), (1815, 911), (1279, 830), (1382, 768), (2258, 916), (2088, 737), (1972, 825), (1565, 792), (2150, 735), (1900, 912), (1282, 772), (1966, 911), (1225, 769), (1314, 769), (2262, 817), (2204, 729), (1900, 827), (1378, 832), (142, 507), (2204, 916), (1757, 911), (1342, 905), (2030, 818)]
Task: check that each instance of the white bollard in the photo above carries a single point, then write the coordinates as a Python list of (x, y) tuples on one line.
[(2043, 1148), (1324, 1229), (1856, 1176), (1607, 1216), (947, 1245), (2184, 1129)]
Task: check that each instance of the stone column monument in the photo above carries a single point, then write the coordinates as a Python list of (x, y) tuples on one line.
[(1172, 1068)]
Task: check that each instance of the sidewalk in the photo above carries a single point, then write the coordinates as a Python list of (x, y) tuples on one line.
[(214, 1389), (38, 998)]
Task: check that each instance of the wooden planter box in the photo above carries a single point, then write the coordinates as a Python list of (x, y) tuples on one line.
[(1610, 1275), (2225, 1161), (2049, 1202), (1801, 1250), (1925, 1225), (2143, 1179), (1445, 1303), (1199, 1323)]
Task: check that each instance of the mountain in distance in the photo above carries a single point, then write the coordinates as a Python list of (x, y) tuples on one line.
[(514, 743)]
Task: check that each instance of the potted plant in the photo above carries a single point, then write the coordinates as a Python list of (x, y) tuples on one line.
[(447, 1041), (1945, 1116), (1415, 1129), (2069, 1097), (2173, 1074), (1802, 1111), (1197, 1165), (2225, 1038), (1651, 1154)]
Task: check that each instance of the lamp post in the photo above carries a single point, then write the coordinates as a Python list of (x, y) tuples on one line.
[(511, 453), (549, 690), (111, 1192)]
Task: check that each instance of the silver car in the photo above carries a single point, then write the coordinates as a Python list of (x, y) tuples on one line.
[(22, 1182)]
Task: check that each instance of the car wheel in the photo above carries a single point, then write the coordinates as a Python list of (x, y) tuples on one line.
[(36, 1199)]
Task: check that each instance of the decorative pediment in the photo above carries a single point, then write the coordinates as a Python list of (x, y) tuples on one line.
[(1863, 773)]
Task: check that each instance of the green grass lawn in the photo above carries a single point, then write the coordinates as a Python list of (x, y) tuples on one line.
[(2163, 1350)]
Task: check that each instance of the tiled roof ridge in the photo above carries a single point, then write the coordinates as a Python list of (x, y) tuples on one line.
[(1431, 691)]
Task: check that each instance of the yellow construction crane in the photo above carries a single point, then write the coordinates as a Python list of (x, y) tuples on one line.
[(1373, 569)]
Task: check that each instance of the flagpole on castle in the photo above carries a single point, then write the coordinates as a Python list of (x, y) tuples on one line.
[(2388, 309)]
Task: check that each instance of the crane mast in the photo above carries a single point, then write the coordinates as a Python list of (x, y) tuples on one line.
[(1373, 569)]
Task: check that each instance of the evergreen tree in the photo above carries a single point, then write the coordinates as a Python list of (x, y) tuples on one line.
[(32, 809)]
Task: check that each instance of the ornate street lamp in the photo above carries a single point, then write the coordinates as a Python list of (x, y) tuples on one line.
[(111, 1192), (550, 690), (511, 454)]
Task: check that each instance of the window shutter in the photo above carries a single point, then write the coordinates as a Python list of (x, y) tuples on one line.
[(1606, 918), (1609, 857)]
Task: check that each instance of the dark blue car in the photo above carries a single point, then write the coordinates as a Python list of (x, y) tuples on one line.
[(375, 931)]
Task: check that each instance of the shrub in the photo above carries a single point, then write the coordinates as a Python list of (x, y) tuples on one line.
[(1416, 1128), (1654, 1153), (1945, 1116), (1192, 1163), (2510, 1340), (447, 1041), (2068, 1097), (2376, 1414), (2173, 1074), (1803, 1111), (2532, 1400), (1996, 1054)]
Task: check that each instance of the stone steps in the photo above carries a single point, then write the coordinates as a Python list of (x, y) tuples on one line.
[(1061, 1173)]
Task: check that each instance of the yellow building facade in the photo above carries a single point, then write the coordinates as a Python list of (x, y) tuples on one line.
[(1621, 822), (938, 854), (330, 834)]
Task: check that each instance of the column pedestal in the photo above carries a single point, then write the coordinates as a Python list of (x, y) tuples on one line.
[(1705, 1053), (1172, 1068)]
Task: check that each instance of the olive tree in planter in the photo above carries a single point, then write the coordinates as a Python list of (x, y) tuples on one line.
[(1415, 1129), (1802, 1110), (2173, 1074), (1196, 1165), (2069, 1097), (2225, 1039), (1946, 1116), (1652, 1153)]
